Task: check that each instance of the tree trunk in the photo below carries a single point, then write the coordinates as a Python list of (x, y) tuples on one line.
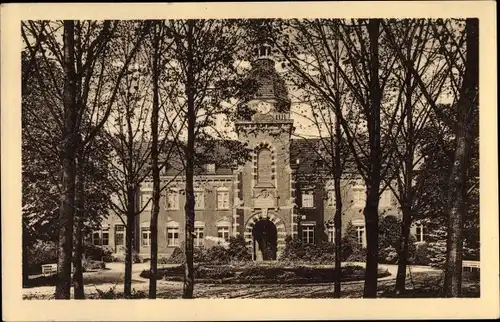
[(338, 247), (373, 184), (338, 202), (404, 241), (154, 167), (79, 214), (371, 273), (68, 152), (406, 192), (457, 207), (129, 244), (189, 206)]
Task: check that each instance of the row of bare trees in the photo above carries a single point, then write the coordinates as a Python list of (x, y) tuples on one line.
[(379, 84), (156, 90), (145, 87)]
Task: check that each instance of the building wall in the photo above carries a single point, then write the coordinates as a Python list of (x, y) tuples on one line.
[(275, 137), (209, 214), (241, 215)]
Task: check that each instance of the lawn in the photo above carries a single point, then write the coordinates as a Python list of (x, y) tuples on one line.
[(109, 284), (268, 273)]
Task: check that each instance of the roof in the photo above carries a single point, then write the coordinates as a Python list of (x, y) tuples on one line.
[(312, 155), (263, 81)]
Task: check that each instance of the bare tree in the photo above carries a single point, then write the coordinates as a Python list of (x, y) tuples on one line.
[(462, 65), (415, 39), (309, 50), (204, 58), (78, 51), (131, 130)]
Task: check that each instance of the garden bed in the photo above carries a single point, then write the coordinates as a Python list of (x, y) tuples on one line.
[(263, 274)]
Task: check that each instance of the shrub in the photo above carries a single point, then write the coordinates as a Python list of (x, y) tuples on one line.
[(358, 254), (136, 258), (351, 249), (97, 253), (107, 295), (40, 253), (389, 241), (90, 265), (238, 250), (217, 255), (163, 260), (296, 251), (388, 255), (422, 255), (177, 256)]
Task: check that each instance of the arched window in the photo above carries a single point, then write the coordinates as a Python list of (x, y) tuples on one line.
[(264, 173)]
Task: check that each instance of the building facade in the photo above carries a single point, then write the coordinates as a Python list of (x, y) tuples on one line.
[(277, 193)]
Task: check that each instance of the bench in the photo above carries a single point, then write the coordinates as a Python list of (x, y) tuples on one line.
[(49, 269), (471, 266)]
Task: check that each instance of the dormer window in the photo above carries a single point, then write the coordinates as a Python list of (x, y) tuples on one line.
[(263, 51)]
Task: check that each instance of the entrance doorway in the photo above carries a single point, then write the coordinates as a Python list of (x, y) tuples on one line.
[(264, 236)]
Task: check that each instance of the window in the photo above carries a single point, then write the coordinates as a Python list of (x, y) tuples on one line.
[(145, 234), (96, 238), (173, 233), (358, 196), (265, 51), (223, 233), (198, 233), (223, 230), (308, 234), (420, 232), (386, 198), (105, 238), (173, 199), (331, 198), (199, 199), (360, 234), (331, 234), (101, 237), (146, 202), (307, 200), (119, 235), (222, 199), (264, 169)]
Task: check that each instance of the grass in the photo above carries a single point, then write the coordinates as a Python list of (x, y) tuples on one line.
[(276, 273), (109, 285)]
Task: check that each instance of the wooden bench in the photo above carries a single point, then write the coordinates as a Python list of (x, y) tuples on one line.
[(49, 269), (471, 266)]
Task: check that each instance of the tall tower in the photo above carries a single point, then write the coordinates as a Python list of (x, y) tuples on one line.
[(264, 213)]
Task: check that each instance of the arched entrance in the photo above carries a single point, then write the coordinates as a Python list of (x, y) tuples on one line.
[(265, 240), (273, 219)]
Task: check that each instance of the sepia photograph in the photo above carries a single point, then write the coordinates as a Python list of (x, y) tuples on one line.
[(250, 158)]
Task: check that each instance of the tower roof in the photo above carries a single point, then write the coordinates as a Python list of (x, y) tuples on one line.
[(264, 82)]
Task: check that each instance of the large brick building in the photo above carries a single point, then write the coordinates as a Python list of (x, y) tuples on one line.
[(264, 200)]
